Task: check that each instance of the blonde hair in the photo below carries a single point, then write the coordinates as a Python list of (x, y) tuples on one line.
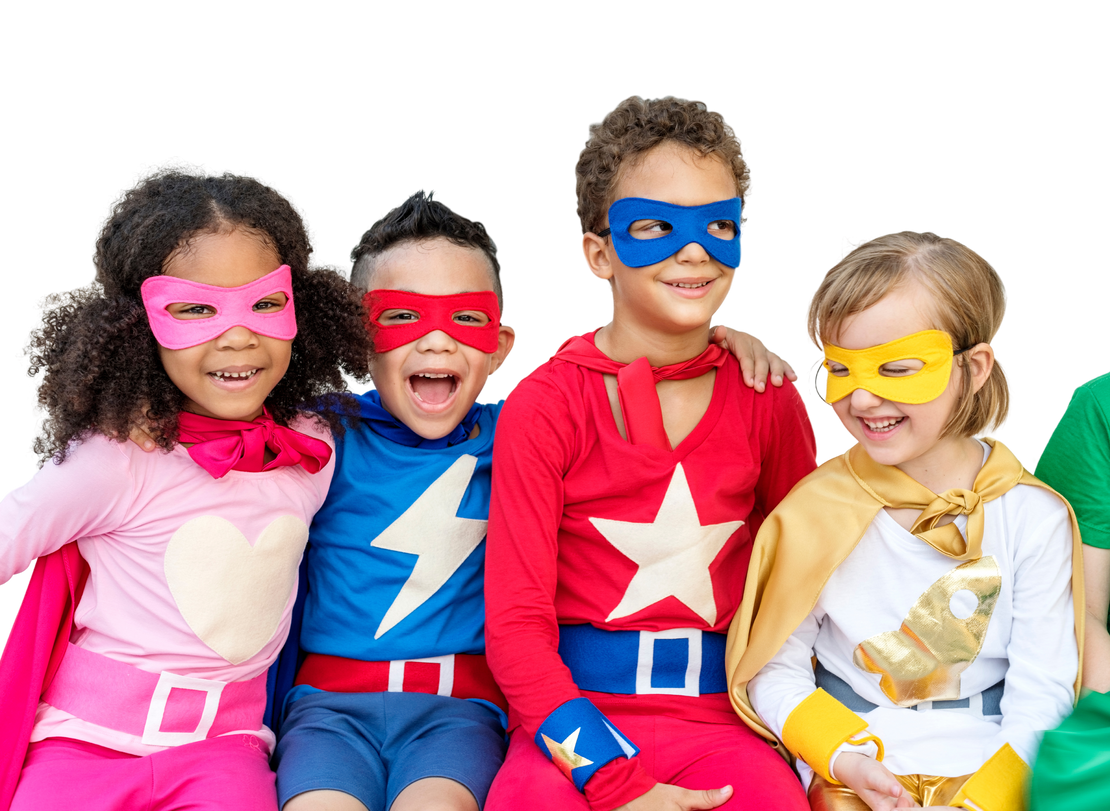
[(970, 302)]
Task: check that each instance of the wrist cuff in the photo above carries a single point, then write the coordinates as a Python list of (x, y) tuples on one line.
[(818, 726), (579, 739), (998, 785)]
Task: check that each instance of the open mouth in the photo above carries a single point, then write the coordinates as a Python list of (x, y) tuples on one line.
[(882, 426), (688, 285), (433, 388)]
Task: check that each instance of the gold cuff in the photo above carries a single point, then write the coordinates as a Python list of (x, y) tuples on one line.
[(998, 785), (818, 726)]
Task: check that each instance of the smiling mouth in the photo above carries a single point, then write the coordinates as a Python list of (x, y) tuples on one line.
[(882, 426), (688, 285), (433, 388)]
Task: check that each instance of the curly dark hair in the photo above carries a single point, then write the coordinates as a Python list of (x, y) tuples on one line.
[(420, 218), (636, 126), (100, 359)]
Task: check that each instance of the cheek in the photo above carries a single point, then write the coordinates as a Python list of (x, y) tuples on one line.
[(281, 352), (179, 363)]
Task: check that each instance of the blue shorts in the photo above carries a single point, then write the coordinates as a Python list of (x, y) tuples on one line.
[(373, 745)]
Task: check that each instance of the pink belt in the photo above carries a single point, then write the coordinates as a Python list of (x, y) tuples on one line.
[(164, 708)]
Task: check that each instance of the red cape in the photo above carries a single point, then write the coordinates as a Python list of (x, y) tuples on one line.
[(34, 651)]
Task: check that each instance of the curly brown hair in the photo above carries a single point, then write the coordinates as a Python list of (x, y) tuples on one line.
[(634, 127), (100, 360)]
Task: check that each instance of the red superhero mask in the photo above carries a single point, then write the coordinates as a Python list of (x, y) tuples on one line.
[(430, 313)]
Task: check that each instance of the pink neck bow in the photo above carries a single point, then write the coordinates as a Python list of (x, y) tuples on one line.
[(223, 445)]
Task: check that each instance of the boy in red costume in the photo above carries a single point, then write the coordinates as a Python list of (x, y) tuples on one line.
[(631, 472)]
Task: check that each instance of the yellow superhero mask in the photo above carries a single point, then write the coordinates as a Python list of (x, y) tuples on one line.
[(851, 369)]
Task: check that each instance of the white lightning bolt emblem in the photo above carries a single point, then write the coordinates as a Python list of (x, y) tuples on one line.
[(431, 530)]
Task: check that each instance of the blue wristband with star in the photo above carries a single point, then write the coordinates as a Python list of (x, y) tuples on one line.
[(579, 739)]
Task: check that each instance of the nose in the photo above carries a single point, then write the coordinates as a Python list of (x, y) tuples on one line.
[(862, 399), (692, 253), (436, 341), (238, 337)]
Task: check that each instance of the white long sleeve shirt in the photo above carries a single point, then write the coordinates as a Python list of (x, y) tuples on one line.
[(1029, 641)]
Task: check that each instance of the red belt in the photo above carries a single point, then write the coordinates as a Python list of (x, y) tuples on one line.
[(462, 675)]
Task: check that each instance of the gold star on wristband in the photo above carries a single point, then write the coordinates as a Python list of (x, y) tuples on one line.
[(563, 754)]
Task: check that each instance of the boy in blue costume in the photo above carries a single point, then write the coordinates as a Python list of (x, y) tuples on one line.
[(393, 621), (392, 633)]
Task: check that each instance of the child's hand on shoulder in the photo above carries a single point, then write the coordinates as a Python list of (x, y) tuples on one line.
[(755, 359), (873, 782), (142, 438), (665, 797)]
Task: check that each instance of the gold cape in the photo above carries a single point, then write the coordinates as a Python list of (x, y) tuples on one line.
[(801, 543)]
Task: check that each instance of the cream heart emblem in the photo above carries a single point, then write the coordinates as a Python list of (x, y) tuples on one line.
[(230, 593)]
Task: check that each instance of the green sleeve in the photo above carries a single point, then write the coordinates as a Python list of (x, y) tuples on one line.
[(1076, 462), (1072, 772)]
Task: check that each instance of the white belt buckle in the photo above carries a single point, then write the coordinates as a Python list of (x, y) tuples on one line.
[(154, 735), (645, 662), (446, 673)]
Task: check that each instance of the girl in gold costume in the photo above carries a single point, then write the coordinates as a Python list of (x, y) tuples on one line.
[(909, 621)]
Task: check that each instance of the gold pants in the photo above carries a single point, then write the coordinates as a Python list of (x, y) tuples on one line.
[(924, 788)]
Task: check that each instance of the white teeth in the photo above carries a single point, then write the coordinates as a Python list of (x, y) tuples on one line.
[(234, 375), (689, 286), (882, 425), (431, 376)]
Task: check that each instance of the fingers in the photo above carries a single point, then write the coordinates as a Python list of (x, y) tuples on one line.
[(747, 349), (142, 439), (780, 369), (707, 798)]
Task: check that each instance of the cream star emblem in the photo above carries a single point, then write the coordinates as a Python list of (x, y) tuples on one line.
[(431, 530), (563, 754), (673, 552)]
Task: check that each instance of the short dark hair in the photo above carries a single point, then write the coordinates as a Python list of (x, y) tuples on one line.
[(418, 219)]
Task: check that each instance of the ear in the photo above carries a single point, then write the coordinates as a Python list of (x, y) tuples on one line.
[(980, 359), (597, 255), (506, 336)]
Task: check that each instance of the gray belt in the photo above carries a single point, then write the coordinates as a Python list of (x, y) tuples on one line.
[(839, 689)]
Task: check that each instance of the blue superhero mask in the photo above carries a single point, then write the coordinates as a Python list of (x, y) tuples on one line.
[(688, 224)]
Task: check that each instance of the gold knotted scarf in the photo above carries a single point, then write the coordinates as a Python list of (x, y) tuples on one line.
[(892, 488), (819, 524)]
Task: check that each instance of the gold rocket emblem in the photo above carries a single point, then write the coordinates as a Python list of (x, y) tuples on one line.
[(923, 660)]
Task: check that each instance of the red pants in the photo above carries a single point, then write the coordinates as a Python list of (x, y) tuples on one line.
[(690, 754), (230, 772)]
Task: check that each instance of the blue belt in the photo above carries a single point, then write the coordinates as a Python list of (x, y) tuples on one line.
[(676, 662), (843, 692)]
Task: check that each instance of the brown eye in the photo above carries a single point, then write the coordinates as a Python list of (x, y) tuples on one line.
[(271, 303), (186, 311), (722, 229), (649, 229), (471, 318), (398, 317)]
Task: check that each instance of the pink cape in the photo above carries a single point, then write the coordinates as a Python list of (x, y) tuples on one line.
[(34, 651)]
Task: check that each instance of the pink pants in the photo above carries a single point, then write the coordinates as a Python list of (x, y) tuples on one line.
[(230, 772), (690, 754)]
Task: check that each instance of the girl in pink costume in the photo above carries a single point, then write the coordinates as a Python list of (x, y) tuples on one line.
[(135, 675)]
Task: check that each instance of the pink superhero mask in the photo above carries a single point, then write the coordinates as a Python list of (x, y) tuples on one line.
[(434, 313), (234, 307)]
